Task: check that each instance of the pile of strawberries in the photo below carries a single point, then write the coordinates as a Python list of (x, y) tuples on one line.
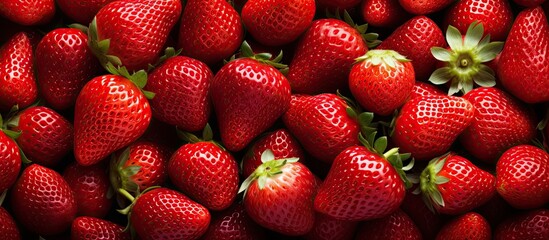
[(274, 119)]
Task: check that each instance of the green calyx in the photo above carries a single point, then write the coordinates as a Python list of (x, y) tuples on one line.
[(138, 78), (465, 59), (371, 39), (386, 57), (100, 48), (270, 168), (429, 181), (265, 58), (207, 136), (120, 175)]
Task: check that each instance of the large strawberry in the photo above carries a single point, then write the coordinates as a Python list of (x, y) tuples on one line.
[(133, 33), (8, 227), (17, 82), (81, 11), (64, 64), (500, 122), (91, 189), (249, 94), (396, 226), (279, 22), (470, 225), (329, 228), (30, 12), (428, 222), (42, 201), (424, 7), (523, 66), (234, 224), (451, 184), (210, 31), (90, 228), (383, 13), (522, 175), (531, 225), (10, 160)]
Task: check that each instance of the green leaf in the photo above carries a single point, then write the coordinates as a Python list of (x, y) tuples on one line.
[(409, 166), (441, 180), (474, 35), (466, 86), (441, 54), (380, 145), (149, 95), (454, 88), (207, 133), (362, 28), (246, 49), (278, 58), (263, 56), (12, 134), (267, 155), (485, 77), (347, 18), (261, 182), (292, 160), (79, 27), (437, 198), (351, 112), (490, 51), (12, 122), (114, 59), (130, 170), (439, 164), (111, 68), (104, 46), (440, 76), (454, 39), (366, 118), (139, 78)]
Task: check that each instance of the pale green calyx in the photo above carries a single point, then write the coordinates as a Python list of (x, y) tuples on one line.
[(429, 181), (386, 57)]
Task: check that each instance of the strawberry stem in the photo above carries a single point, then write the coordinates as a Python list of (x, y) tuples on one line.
[(126, 194)]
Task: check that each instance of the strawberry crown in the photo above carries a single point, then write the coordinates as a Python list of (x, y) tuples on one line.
[(371, 39), (120, 176), (429, 181), (386, 57), (265, 58), (138, 78)]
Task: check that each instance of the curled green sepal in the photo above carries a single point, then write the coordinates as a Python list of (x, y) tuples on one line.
[(169, 52), (100, 48), (207, 136), (138, 78), (386, 57), (265, 58), (429, 181)]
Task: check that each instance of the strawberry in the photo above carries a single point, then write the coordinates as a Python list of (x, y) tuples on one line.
[(427, 126), (321, 124), (428, 222), (249, 94), (81, 11), (451, 184), (110, 113), (381, 81), (279, 195), (470, 225), (182, 88), (396, 226), (529, 3), (42, 201), (234, 224), (280, 142), (383, 13), (333, 5), (279, 22), (32, 12), (210, 30), (522, 173), (8, 227), (10, 161), (414, 40), (424, 7), (500, 122), (132, 33), (90, 228), (532, 225), (64, 64), (17, 82), (329, 228), (423, 89), (45, 137), (523, 66), (91, 189)]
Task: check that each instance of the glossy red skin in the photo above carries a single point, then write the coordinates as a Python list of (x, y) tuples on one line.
[(42, 201), (529, 3), (90, 228), (381, 89), (419, 7), (500, 122), (234, 224), (10, 162), (8, 227), (360, 186), (206, 173), (324, 56), (278, 22), (138, 30), (332, 5), (280, 142), (285, 204), (329, 228), (427, 126), (110, 113), (90, 186), (470, 225), (522, 175), (496, 17), (532, 225), (81, 11), (523, 66), (182, 93), (17, 82), (383, 13), (423, 89), (46, 136), (321, 124), (248, 97), (414, 40), (428, 222), (153, 160), (28, 12), (396, 226), (64, 64), (216, 24), (167, 214)]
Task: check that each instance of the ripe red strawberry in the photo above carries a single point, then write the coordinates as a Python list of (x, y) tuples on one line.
[(423, 89), (424, 7), (90, 228), (280, 142), (182, 88), (414, 40), (210, 31), (234, 224), (32, 12), (500, 122), (81, 11), (522, 173), (279, 195), (396, 226), (167, 214), (135, 31), (384, 13), (279, 22), (451, 184), (329, 228), (17, 82), (381, 81), (322, 125), (336, 4), (470, 225), (532, 225), (10, 161), (428, 222), (91, 189), (46, 136), (324, 57), (64, 64), (523, 66), (42, 201), (110, 113), (427, 126), (495, 15), (8, 227), (529, 3)]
